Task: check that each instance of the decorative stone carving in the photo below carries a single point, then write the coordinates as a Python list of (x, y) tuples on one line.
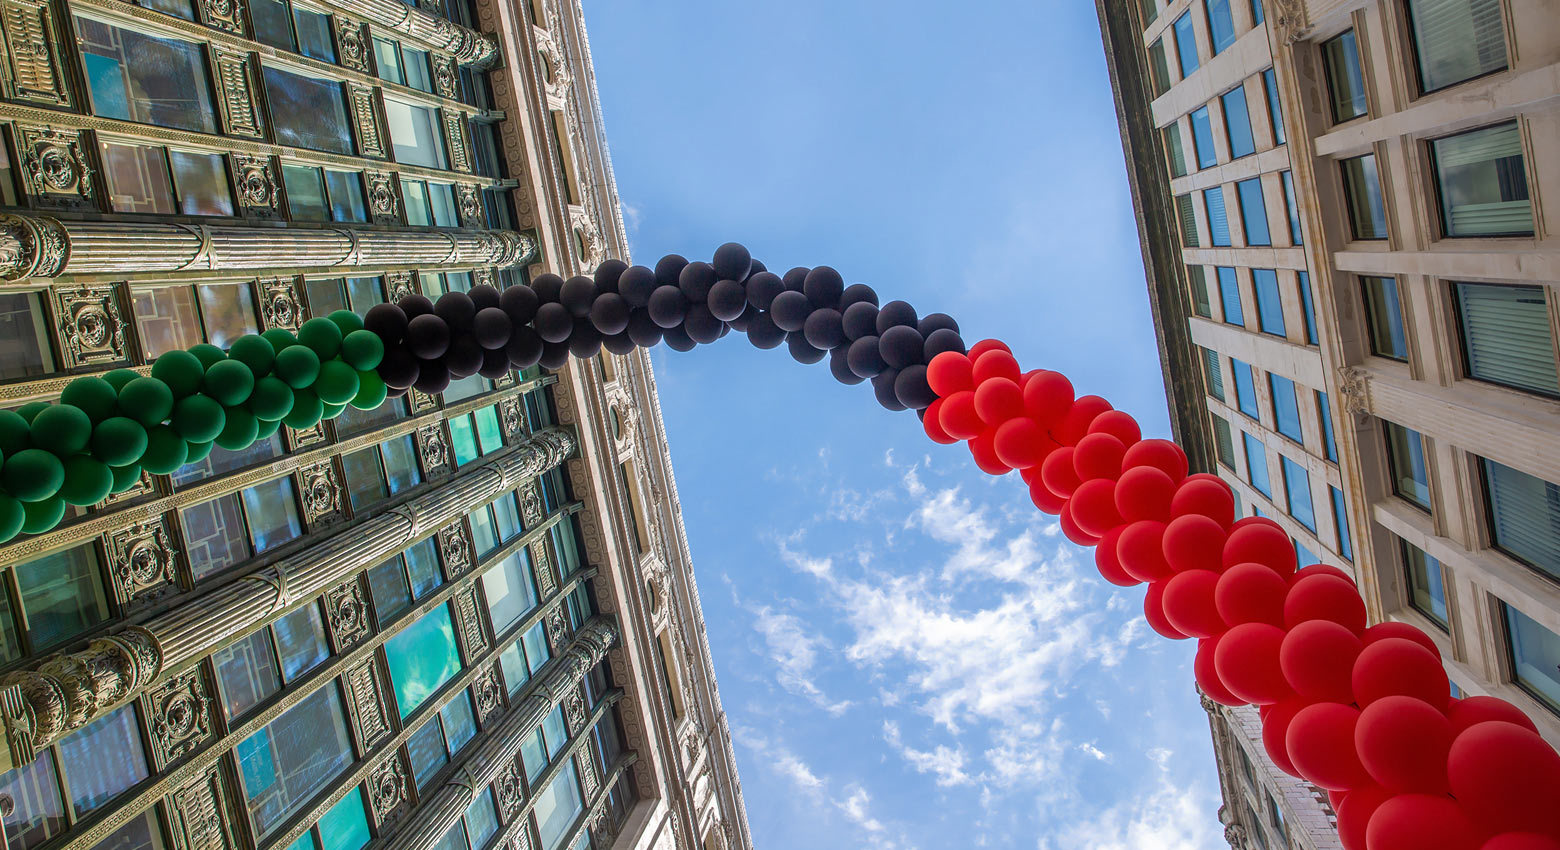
[(455, 140), (601, 829), (510, 786), (384, 203), (180, 716), (1354, 386), (320, 491), (585, 766), (66, 691), (473, 640), (432, 7), (557, 630), (279, 304), (141, 487), (35, 74), (237, 81), (445, 82), (589, 247), (222, 15), (352, 44), (92, 330), (455, 549), (399, 284), (554, 66), (469, 203), (55, 169), (142, 561), (511, 419), (346, 613), (433, 450), (1290, 20), (489, 695), (32, 246), (365, 118), (421, 402), (255, 179), (313, 435), (367, 704), (197, 814), (387, 790), (574, 711)]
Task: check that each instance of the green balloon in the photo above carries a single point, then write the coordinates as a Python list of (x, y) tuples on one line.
[(42, 515), (265, 430), (363, 349), (31, 410), (62, 429), (87, 481), (15, 433), (306, 411), (254, 351), (119, 377), (32, 474), (118, 440), (371, 391), (299, 366), (337, 383), (279, 338), (230, 382), (146, 400), (125, 477), (96, 397), (322, 335), (196, 452), (347, 320), (199, 418), (271, 400), (11, 517), (239, 432), (332, 411), (165, 450), (209, 355), (181, 371)]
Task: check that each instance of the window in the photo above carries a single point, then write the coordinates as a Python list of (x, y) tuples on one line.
[(1456, 40), (1270, 307), (421, 658), (1221, 25), (315, 194), (229, 529), (1215, 374), (485, 148), (1286, 409), (1237, 123), (1287, 179), (304, 30), (1229, 296), (1186, 44), (343, 827), (1150, 11), (285, 764), (1256, 12), (1188, 215), (145, 79), (1329, 442), (414, 134), (1218, 220), (1506, 337), (379, 472), (24, 340), (432, 744), (510, 590), (1481, 183), (496, 523), (403, 578), (1345, 77), (1159, 67), (1341, 522), (1198, 281), (534, 641), (1362, 193), (1426, 588), (181, 316), (1253, 212), (1275, 108), (1245, 387), (103, 759), (61, 595), (307, 112), (151, 179), (1297, 489), (1223, 442), (1524, 514), (481, 820), (1384, 316), (1406, 460), (1535, 656), (557, 806), (1173, 151), (1202, 138), (414, 63), (255, 667), (1256, 465)]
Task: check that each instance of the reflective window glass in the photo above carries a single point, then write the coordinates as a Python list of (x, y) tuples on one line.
[(1384, 317), (305, 193), (1221, 24), (1406, 457), (1237, 123), (1253, 212), (1186, 44), (557, 806), (300, 641), (227, 311), (387, 59), (272, 23), (287, 763), (441, 202), (1456, 40), (421, 658), (314, 40), (1426, 589), (308, 112), (38, 812), (1345, 77), (1218, 218), (1202, 138), (1482, 183), (103, 758), (1362, 191), (1286, 409), (62, 594), (460, 726), (414, 196), (387, 583), (509, 590), (1524, 513), (146, 79), (1297, 489), (415, 135), (272, 511), (246, 673), (415, 63), (1506, 337), (1275, 108), (1341, 521), (1256, 465), (138, 180), (346, 196), (24, 337), (214, 535), (345, 825), (1270, 306), (1245, 387), (1535, 655), (202, 179), (426, 748), (1329, 442)]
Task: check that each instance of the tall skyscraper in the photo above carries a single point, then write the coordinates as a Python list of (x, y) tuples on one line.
[(1353, 277), (465, 621)]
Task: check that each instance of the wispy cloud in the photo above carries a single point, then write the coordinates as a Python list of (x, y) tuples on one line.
[(793, 649), (944, 763), (852, 800), (1171, 817)]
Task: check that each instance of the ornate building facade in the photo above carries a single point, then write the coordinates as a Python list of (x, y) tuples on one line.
[(1353, 275), (465, 621)]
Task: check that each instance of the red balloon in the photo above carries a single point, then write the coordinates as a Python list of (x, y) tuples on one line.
[(958, 417), (1247, 662), (1210, 498), (1163, 454), (1188, 604), (1094, 506), (1397, 666), (1335, 798), (1144, 492), (932, 422), (1208, 678), (1119, 424), (1317, 658), (1042, 496), (1057, 472), (985, 455), (1275, 726), (1382, 631), (1251, 593), (1420, 822), (1154, 612), (1098, 456), (1320, 742), (1325, 597), (1262, 544), (1048, 396), (1507, 778), (1355, 811), (1108, 564), (1140, 551), (948, 373), (1521, 841), (1320, 569), (998, 399), (1403, 744), (1468, 711), (1076, 423), (986, 345), (1020, 443), (1192, 542), (1071, 530), (996, 363)]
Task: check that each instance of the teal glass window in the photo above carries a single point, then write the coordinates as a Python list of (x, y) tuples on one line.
[(426, 750), (511, 663), (481, 820), (1535, 656), (534, 642), (1221, 24), (1253, 212), (1218, 219), (414, 197), (1406, 460), (201, 181), (1245, 387), (1186, 44), (554, 732), (1270, 306), (345, 825), (272, 510), (146, 79), (314, 38), (284, 765), (1506, 338), (415, 63), (1329, 441), (460, 725), (1524, 513), (441, 203), (1384, 318), (1362, 193), (345, 189), (557, 806), (421, 658), (463, 437), (1256, 465), (1275, 107), (1237, 123), (533, 755), (1297, 489), (305, 187), (510, 590), (1286, 409), (1456, 40), (1341, 522), (1345, 77), (1426, 586), (1202, 138), (1481, 183), (1291, 209)]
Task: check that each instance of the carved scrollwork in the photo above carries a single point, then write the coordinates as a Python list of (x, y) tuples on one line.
[(236, 80), (255, 180), (347, 614), (313, 435), (455, 140), (387, 789), (55, 168), (541, 563), (368, 713), (279, 304), (32, 246), (511, 791), (489, 696), (196, 810), (352, 44), (399, 285), (455, 549), (574, 711), (222, 15), (1354, 386), (589, 247), (469, 203), (432, 449), (510, 418), (421, 402), (384, 205), (320, 492), (1291, 20), (473, 639), (180, 713), (445, 83), (67, 691), (585, 766), (142, 559), (34, 69), (92, 330), (365, 118), (555, 68), (557, 630)]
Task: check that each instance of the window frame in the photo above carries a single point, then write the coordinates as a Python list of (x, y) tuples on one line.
[(1464, 350), (1443, 212), (1418, 64), (1331, 81)]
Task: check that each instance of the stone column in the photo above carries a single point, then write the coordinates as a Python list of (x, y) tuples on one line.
[(65, 692), (468, 46), (39, 246)]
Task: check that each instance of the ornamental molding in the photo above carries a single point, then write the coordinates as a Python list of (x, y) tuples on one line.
[(1291, 21), (255, 179), (32, 246), (143, 562), (320, 492), (400, 285), (223, 15), (488, 692), (384, 199), (469, 204), (197, 811), (367, 704), (55, 168), (363, 101), (432, 450), (180, 717), (473, 640), (352, 43), (445, 83), (237, 82), (346, 612), (511, 419), (279, 303), (510, 786), (388, 790), (67, 691), (35, 75), (92, 329), (455, 550), (1354, 386)]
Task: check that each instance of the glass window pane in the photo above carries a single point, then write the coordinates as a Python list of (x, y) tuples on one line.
[(227, 311), (214, 535), (1218, 219), (1506, 336), (1221, 25), (422, 564), (1202, 138), (1362, 188), (1224, 441), (246, 673), (1535, 655), (1270, 306), (222, 460), (387, 58), (365, 480), (308, 112), (1256, 465), (506, 515), (1296, 237), (1275, 107), (1245, 387), (557, 806), (103, 759), (489, 434), (415, 135), (346, 196), (415, 62), (460, 725), (38, 813), (1406, 456), (1253, 212), (167, 319), (564, 547), (512, 662), (400, 459), (272, 24), (1197, 279), (387, 581), (1286, 409), (1426, 589), (143, 832), (1237, 123), (314, 41), (345, 826), (1482, 183), (1345, 77), (426, 748), (464, 438), (535, 643), (305, 193), (1186, 44), (414, 195), (509, 590), (1171, 138), (481, 820), (24, 338), (1456, 40), (1384, 313), (137, 178), (1525, 516), (145, 79), (365, 292), (300, 641), (533, 755), (1297, 489), (441, 200), (1186, 211), (272, 511), (62, 594), (421, 658), (1341, 521), (285, 764), (554, 732), (326, 296), (203, 183), (453, 838), (1329, 442)]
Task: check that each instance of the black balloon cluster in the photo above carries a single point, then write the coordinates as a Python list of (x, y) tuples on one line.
[(684, 304)]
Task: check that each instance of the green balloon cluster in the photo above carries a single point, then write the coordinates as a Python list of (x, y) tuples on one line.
[(106, 430)]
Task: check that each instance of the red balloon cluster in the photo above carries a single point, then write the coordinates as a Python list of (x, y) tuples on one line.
[(1362, 711)]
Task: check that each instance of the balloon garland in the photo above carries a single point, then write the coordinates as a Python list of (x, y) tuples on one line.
[(1362, 711)]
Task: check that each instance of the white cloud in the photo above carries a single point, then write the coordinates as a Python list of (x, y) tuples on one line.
[(857, 806), (794, 651), (1168, 818), (945, 763), (851, 800), (1088, 748)]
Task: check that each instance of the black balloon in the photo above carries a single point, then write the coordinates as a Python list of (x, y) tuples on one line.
[(701, 325), (618, 343), (933, 322), (790, 310), (433, 377), (794, 278), (911, 388), (901, 346), (586, 340), (643, 330), (695, 280), (763, 333), (396, 392), (386, 321), (610, 313), (464, 357), (823, 286), (859, 320), (415, 305), (553, 322), (607, 275), (667, 306), (635, 285), (669, 268), (733, 261), (494, 364), (756, 267), (743, 319), (727, 300), (802, 350), (940, 341), (547, 287), (839, 366), (520, 302), (524, 348), (883, 388), (577, 294), (762, 289), (823, 329), (678, 340), (864, 358), (399, 367), (857, 293), (492, 327), (484, 296), (428, 336), (895, 313), (554, 355), (457, 310)]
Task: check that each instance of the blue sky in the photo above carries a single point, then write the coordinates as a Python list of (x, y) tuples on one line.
[(910, 654)]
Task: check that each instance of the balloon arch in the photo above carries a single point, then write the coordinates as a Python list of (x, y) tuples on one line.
[(1362, 711)]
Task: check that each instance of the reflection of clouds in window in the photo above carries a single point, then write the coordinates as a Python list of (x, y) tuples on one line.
[(421, 658)]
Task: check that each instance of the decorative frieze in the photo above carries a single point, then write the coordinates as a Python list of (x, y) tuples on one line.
[(142, 560), (224, 15), (557, 630), (296, 440), (92, 329), (141, 487), (420, 401), (352, 44), (455, 550), (399, 285), (31, 56), (468, 202), (319, 488), (541, 563), (363, 102), (574, 711), (512, 419), (197, 813), (384, 197), (432, 449), (179, 712), (280, 306), (510, 787), (367, 704), (445, 83), (346, 612), (32, 246), (590, 247), (473, 639), (585, 766), (255, 179), (488, 693), (389, 790), (56, 169), (237, 82), (455, 140)]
